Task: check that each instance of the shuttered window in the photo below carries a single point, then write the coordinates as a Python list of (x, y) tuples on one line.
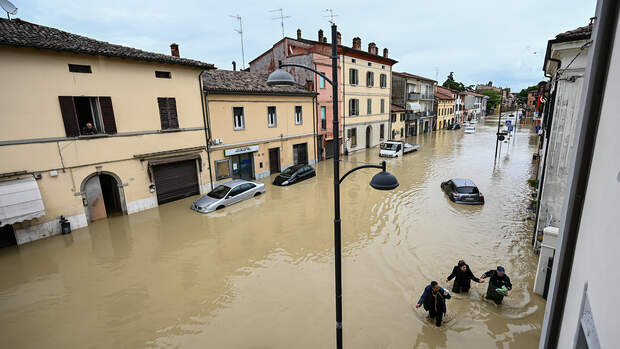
[(86, 116), (382, 105), (354, 106), (383, 81), (370, 79), (369, 106), (168, 113), (353, 76)]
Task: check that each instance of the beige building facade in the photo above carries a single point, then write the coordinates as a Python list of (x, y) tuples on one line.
[(397, 122), (101, 135), (257, 130)]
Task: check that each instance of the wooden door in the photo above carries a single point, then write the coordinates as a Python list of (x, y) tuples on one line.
[(274, 160)]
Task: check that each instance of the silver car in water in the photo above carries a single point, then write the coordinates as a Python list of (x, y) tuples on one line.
[(227, 194)]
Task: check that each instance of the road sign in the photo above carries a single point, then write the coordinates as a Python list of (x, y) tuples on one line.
[(510, 128), (508, 122), (500, 137), (537, 127)]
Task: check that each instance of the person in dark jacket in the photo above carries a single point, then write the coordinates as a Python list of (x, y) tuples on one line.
[(498, 279), (463, 276), (434, 301)]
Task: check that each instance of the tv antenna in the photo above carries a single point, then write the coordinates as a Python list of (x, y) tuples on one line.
[(8, 7), (331, 15), (240, 31), (281, 18)]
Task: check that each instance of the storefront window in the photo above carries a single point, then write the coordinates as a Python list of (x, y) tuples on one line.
[(222, 169)]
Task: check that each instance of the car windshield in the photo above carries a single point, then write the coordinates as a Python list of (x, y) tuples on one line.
[(389, 146), (289, 171), (467, 190), (219, 192)]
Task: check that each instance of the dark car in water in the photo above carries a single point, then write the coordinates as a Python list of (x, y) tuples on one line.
[(456, 126), (294, 174), (463, 191)]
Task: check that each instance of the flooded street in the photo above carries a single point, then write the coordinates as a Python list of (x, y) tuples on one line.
[(260, 274)]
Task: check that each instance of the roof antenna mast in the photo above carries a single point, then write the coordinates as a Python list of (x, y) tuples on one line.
[(281, 18), (331, 15), (8, 7), (240, 31)]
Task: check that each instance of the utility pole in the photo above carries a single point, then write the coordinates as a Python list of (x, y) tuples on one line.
[(240, 31), (281, 18), (499, 121)]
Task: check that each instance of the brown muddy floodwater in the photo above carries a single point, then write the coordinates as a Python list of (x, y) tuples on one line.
[(260, 274)]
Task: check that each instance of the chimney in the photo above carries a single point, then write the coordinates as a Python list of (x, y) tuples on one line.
[(339, 38), (385, 52), (357, 43), (298, 34), (372, 48), (320, 35), (174, 49), (234, 65)]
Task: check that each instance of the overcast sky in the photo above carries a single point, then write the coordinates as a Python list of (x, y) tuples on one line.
[(479, 40)]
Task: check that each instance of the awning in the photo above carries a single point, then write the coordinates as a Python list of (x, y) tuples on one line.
[(415, 106), (167, 160), (20, 200)]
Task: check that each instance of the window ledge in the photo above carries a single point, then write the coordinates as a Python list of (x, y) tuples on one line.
[(238, 129), (99, 135), (170, 130)]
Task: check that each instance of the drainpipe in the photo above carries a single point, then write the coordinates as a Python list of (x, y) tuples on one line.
[(314, 117), (598, 66), (207, 125)]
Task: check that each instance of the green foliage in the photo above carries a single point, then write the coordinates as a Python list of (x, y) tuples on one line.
[(533, 183), (522, 95), (494, 99), (452, 84)]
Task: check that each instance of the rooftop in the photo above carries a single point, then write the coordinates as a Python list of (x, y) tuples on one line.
[(443, 93), (397, 108), (245, 82), (19, 33), (413, 76), (578, 33)]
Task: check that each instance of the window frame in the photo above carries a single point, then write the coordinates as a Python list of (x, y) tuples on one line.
[(370, 79), (169, 104), (381, 132), (383, 80), (299, 117), (323, 116), (382, 106), (275, 117), (353, 77), (218, 176), (352, 133), (354, 107), (369, 106), (321, 82), (80, 68), (242, 119), (160, 74)]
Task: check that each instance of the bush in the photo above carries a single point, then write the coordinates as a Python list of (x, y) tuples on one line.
[(533, 183)]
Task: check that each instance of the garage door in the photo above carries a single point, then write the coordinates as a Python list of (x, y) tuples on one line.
[(176, 180)]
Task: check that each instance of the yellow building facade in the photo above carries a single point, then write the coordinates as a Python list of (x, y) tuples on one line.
[(146, 127), (257, 130), (446, 104), (397, 122)]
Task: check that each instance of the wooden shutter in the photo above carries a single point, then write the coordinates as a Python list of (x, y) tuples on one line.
[(69, 116), (107, 114), (172, 113), (163, 112)]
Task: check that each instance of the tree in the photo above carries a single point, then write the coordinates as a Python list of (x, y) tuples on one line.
[(494, 99), (452, 84), (522, 96)]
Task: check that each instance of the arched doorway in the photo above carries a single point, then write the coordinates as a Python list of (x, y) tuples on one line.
[(368, 134), (104, 196)]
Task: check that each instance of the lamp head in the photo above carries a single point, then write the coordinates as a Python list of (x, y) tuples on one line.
[(384, 181), (280, 77)]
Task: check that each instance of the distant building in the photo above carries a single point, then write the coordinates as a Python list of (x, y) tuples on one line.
[(397, 122), (416, 94), (445, 105)]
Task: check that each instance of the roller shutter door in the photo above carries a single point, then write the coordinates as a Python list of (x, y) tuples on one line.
[(176, 180)]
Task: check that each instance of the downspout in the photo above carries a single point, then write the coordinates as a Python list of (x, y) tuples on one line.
[(206, 123), (315, 105), (598, 67)]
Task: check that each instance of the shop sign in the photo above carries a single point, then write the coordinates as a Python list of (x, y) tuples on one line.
[(240, 150)]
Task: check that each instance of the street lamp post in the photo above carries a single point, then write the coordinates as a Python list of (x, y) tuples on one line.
[(381, 181), (499, 121)]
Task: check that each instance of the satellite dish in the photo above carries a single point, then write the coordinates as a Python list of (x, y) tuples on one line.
[(8, 7)]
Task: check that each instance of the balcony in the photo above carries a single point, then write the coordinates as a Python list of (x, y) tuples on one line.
[(413, 96)]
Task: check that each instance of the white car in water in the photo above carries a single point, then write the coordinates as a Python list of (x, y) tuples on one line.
[(470, 129), (228, 194), (392, 149)]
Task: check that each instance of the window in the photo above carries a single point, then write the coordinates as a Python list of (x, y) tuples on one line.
[(382, 67), (369, 106), (237, 190), (370, 79), (168, 113), (162, 74), (272, 119), (239, 118), (382, 131), (222, 169), (369, 64), (353, 60), (323, 118), (382, 105), (298, 117), (383, 81), (77, 68), (353, 76), (393, 118), (321, 82), (354, 107), (84, 116), (353, 136)]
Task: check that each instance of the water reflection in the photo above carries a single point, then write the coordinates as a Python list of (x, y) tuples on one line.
[(260, 273)]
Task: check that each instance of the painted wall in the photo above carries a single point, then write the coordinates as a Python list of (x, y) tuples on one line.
[(31, 115)]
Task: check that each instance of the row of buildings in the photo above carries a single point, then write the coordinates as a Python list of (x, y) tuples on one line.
[(93, 129)]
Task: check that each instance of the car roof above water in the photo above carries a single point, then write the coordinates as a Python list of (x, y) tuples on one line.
[(463, 182), (234, 182)]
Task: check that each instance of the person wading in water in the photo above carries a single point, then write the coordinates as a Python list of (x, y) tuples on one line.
[(434, 301), (463, 276), (499, 285)]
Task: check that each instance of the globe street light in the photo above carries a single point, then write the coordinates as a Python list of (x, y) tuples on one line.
[(381, 181)]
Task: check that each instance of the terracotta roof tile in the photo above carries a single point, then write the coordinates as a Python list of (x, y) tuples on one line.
[(16, 32), (395, 107), (414, 76), (584, 31), (245, 82)]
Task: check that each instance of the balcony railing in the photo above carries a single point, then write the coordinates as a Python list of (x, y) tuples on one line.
[(413, 96)]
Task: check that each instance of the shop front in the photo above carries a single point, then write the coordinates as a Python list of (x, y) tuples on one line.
[(237, 164)]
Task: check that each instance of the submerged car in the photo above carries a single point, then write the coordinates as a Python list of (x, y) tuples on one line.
[(470, 129), (463, 191), (228, 194), (456, 126), (294, 174), (392, 149)]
